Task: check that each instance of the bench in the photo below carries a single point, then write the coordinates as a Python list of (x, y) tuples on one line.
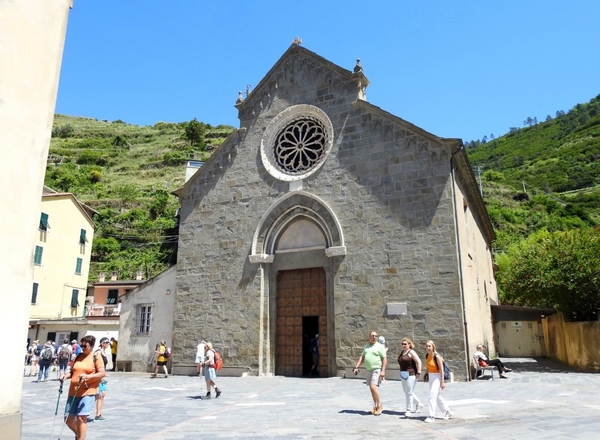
[(479, 368)]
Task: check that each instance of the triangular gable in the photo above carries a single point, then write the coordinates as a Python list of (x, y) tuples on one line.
[(82, 207), (279, 69)]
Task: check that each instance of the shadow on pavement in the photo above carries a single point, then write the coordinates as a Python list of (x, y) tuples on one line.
[(353, 411), (539, 365)]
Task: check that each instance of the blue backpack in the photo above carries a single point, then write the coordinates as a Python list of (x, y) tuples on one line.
[(446, 368)]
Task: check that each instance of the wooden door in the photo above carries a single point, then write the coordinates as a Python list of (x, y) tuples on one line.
[(300, 293)]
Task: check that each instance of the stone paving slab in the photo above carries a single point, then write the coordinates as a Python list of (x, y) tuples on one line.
[(535, 402)]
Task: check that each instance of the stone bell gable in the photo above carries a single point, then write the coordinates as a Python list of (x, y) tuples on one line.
[(324, 214)]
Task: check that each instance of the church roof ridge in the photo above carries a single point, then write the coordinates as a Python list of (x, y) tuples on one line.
[(295, 48)]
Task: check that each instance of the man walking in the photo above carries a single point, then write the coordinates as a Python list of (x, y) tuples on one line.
[(113, 351), (375, 360)]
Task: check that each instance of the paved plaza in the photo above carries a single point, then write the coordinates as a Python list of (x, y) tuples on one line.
[(540, 399)]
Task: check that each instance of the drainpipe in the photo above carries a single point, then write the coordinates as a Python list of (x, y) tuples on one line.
[(460, 270)]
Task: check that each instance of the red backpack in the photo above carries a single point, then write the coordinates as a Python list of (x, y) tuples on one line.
[(218, 361)]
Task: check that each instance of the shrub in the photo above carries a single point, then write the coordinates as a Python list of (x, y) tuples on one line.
[(174, 158), (63, 131), (92, 157), (95, 176)]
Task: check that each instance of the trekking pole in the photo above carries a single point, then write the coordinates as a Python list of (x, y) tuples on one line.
[(60, 389), (68, 410)]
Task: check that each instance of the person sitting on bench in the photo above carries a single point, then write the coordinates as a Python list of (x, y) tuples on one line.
[(492, 362)]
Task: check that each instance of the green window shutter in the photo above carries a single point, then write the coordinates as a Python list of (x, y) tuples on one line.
[(37, 258), (74, 298), (34, 293), (82, 239), (78, 266), (44, 222)]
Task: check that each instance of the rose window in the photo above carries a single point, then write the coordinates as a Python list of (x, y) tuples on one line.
[(296, 142), (300, 145)]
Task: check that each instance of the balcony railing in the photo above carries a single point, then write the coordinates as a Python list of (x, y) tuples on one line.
[(103, 310)]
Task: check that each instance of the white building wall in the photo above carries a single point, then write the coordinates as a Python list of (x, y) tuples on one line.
[(32, 35), (159, 292)]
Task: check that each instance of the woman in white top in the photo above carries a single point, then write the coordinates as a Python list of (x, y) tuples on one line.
[(200, 356), (493, 362)]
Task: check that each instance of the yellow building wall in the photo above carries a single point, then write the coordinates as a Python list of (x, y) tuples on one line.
[(56, 276), (479, 284), (573, 343)]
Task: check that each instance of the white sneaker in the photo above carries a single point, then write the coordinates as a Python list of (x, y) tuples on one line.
[(429, 420), (408, 414), (448, 415), (418, 408)]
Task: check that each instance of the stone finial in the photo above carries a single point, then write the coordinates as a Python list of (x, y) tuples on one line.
[(247, 90), (240, 98), (358, 67), (297, 41)]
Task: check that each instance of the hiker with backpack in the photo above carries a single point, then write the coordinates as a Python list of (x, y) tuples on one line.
[(46, 356), (212, 363), (85, 374), (75, 349), (100, 352), (434, 363), (64, 356), (162, 359), (34, 359)]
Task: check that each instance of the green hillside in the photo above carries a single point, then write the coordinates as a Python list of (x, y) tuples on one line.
[(126, 173), (546, 175)]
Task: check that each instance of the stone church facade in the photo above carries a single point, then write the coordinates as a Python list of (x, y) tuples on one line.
[(325, 214)]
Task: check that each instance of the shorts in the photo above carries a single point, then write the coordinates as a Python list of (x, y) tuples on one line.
[(373, 376), (199, 359), (210, 373), (79, 406), (161, 363)]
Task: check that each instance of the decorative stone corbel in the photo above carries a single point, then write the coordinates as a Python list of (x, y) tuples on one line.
[(335, 251), (261, 258)]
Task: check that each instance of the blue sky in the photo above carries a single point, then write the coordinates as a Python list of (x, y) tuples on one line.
[(456, 68)]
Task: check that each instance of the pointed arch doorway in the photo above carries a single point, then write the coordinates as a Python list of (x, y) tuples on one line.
[(301, 314)]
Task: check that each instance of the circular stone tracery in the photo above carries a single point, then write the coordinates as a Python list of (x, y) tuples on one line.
[(300, 145), (296, 142)]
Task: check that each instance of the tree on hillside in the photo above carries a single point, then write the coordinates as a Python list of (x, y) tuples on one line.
[(554, 269), (194, 132)]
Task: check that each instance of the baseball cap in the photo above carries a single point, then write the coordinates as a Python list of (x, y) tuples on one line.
[(103, 340), (74, 341)]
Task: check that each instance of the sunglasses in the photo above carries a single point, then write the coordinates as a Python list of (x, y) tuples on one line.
[(405, 343), (85, 345)]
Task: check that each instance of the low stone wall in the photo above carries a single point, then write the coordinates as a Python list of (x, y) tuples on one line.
[(573, 343)]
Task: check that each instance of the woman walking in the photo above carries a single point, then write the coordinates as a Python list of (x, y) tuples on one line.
[(161, 360), (85, 375), (410, 372), (435, 373)]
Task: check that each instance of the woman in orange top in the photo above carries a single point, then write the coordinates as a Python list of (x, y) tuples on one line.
[(435, 369), (85, 375)]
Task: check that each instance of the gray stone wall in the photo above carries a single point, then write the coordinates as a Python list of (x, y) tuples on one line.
[(389, 185)]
